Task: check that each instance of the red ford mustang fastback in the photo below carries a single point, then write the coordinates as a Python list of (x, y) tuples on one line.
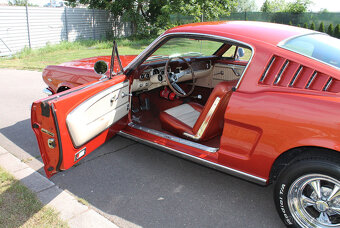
[(256, 100)]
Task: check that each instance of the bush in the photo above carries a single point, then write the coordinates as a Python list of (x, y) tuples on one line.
[(337, 31), (290, 23), (305, 25), (330, 30), (322, 27), (312, 26), (298, 25)]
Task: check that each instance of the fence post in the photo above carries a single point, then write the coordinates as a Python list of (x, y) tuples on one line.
[(93, 25), (28, 28), (66, 25)]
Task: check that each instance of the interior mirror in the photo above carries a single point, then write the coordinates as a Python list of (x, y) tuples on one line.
[(240, 52), (100, 67)]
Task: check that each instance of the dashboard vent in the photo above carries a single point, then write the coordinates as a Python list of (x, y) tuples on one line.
[(286, 73)]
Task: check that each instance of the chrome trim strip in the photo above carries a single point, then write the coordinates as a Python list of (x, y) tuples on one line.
[(295, 76), (329, 82), (138, 60), (206, 121), (174, 138), (278, 78), (47, 92), (311, 79), (225, 169), (264, 75), (283, 42)]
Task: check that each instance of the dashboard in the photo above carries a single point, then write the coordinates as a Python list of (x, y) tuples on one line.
[(152, 75)]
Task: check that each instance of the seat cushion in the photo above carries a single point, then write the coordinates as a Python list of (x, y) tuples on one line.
[(185, 113), (181, 118)]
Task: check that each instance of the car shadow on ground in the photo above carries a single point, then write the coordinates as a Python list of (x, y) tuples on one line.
[(23, 136), (138, 186)]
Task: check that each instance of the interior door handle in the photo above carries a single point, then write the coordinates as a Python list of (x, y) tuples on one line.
[(126, 94), (113, 99), (221, 73)]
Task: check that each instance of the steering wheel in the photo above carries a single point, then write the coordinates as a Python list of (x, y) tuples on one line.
[(172, 78)]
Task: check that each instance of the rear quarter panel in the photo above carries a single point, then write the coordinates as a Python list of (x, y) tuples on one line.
[(262, 122)]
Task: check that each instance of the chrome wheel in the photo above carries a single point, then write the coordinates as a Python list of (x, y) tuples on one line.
[(314, 201)]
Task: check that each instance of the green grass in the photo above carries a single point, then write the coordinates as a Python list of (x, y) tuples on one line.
[(38, 59), (19, 207)]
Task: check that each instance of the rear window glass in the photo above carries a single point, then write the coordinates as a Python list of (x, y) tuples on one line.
[(318, 46)]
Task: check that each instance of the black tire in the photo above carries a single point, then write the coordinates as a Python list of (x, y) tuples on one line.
[(296, 181)]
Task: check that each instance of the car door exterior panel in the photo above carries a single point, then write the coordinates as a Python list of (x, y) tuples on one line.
[(72, 124)]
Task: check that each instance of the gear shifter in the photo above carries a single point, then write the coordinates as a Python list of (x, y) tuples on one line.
[(199, 97)]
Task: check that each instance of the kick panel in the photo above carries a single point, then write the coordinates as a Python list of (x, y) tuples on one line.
[(98, 113)]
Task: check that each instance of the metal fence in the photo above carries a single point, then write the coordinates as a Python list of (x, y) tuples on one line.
[(280, 17), (34, 27)]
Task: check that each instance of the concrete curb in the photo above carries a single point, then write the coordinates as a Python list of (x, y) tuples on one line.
[(70, 210)]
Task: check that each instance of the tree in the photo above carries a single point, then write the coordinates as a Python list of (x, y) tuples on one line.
[(20, 3), (330, 30), (322, 27), (312, 26), (271, 6), (298, 6), (246, 6), (148, 16), (337, 31)]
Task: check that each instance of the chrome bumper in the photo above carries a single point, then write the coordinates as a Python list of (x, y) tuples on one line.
[(47, 91)]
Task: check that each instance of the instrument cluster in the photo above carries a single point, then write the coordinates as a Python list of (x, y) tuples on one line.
[(156, 72)]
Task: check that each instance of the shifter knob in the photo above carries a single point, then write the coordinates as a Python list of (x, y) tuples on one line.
[(199, 97)]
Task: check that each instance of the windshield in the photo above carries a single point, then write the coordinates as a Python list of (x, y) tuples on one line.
[(185, 47), (318, 46)]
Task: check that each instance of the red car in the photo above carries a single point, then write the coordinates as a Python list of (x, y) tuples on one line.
[(256, 100)]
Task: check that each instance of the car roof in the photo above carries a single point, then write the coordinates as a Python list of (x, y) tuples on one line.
[(246, 31)]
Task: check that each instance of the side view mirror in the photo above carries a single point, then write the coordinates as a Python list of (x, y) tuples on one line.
[(240, 52), (100, 67)]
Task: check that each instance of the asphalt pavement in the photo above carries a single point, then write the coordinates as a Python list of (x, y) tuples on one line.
[(131, 184)]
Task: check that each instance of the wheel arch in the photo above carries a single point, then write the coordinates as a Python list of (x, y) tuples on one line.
[(296, 154)]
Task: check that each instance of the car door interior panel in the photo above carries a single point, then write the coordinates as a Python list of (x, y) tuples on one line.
[(98, 113)]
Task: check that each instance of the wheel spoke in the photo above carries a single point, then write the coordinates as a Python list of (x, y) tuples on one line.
[(335, 209), (335, 193), (316, 187), (323, 218), (307, 201), (179, 89)]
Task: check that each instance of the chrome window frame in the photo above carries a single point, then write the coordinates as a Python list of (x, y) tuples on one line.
[(151, 48)]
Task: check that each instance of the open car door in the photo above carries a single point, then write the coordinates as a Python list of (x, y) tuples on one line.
[(71, 124)]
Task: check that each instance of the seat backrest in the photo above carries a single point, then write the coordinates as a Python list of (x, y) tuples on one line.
[(210, 122)]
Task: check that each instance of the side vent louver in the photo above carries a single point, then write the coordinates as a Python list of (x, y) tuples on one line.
[(291, 84), (329, 82), (281, 72), (278, 78), (311, 80), (264, 75)]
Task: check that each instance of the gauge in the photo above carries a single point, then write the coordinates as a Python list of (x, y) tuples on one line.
[(160, 77), (155, 71), (147, 76), (162, 72), (142, 76)]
